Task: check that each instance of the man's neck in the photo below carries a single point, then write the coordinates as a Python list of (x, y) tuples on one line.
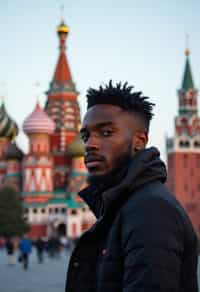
[(110, 179)]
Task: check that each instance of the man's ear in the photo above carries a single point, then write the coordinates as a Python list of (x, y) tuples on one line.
[(139, 141)]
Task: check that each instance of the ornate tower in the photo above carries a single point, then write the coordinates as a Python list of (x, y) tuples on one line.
[(38, 163), (183, 150), (8, 131), (38, 171), (63, 108)]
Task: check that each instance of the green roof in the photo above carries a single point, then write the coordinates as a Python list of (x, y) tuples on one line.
[(34, 205), (73, 204), (57, 201), (187, 77)]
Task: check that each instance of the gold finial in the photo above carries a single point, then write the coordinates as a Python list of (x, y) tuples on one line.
[(62, 28), (187, 51)]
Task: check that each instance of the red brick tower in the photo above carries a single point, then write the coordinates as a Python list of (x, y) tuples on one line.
[(63, 108), (183, 150)]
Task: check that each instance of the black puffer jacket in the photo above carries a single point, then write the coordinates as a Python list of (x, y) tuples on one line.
[(142, 242)]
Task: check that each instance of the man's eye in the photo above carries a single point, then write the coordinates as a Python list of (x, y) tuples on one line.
[(106, 133)]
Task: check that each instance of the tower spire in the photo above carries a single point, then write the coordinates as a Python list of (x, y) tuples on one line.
[(62, 72), (187, 82)]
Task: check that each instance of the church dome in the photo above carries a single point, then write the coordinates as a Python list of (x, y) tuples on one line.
[(38, 122), (13, 152), (8, 127), (76, 148), (62, 28)]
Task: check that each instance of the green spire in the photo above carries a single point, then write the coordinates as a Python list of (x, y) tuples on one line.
[(187, 77)]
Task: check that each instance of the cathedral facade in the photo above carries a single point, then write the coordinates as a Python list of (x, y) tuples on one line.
[(50, 175), (183, 150)]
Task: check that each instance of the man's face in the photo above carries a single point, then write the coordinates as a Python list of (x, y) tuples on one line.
[(107, 133)]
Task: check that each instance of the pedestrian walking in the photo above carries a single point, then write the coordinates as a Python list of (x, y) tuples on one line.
[(52, 246), (25, 248), (10, 251), (40, 246)]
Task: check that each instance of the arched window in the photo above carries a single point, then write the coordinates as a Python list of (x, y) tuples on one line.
[(184, 143), (181, 144), (187, 144), (63, 210), (74, 212), (197, 144)]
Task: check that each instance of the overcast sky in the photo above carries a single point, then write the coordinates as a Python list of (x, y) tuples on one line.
[(141, 42)]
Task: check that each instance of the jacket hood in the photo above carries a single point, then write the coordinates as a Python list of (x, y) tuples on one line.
[(145, 166)]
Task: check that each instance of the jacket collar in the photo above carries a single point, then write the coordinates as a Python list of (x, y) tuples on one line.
[(145, 167)]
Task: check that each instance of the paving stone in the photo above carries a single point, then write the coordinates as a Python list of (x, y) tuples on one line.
[(46, 277)]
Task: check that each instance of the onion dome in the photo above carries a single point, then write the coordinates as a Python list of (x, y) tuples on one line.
[(76, 148), (62, 28), (38, 122), (13, 152), (8, 127)]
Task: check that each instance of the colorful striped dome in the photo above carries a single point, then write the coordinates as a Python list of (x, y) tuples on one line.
[(8, 127), (38, 122), (13, 152), (76, 148)]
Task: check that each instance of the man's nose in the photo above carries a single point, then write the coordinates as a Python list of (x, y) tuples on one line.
[(92, 143)]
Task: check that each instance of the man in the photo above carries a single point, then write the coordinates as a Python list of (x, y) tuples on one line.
[(143, 240), (10, 250), (25, 248), (40, 247)]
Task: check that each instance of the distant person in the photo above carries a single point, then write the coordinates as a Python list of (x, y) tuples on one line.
[(64, 241), (40, 246), (143, 240), (25, 248), (10, 251), (52, 246)]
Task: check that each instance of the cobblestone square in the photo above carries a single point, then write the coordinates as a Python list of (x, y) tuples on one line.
[(46, 277)]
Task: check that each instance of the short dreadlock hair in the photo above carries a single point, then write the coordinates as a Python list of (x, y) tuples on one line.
[(122, 96)]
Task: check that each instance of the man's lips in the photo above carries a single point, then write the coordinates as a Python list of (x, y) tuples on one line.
[(93, 164), (93, 161)]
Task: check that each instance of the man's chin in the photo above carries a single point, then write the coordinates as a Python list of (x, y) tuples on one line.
[(96, 178)]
